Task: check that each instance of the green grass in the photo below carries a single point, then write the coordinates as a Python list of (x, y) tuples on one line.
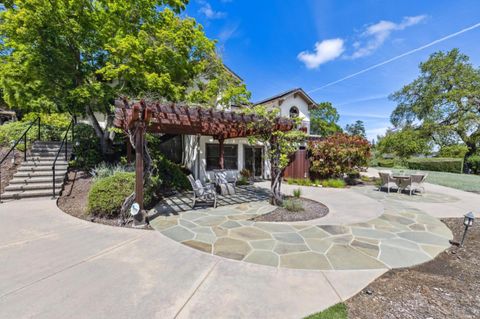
[(339, 311), (466, 182)]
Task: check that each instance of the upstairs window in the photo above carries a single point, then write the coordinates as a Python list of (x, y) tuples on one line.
[(294, 112)]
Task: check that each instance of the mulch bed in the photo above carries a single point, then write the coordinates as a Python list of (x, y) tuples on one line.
[(74, 198), (311, 210), (446, 287), (9, 168)]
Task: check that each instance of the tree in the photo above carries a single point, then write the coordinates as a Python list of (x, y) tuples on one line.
[(356, 129), (323, 120), (78, 56), (404, 143), (444, 101), (280, 145)]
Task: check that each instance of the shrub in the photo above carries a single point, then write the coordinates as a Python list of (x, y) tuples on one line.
[(242, 181), (245, 173), (104, 170), (87, 152), (52, 126), (108, 194), (297, 193), (334, 183), (452, 165), (474, 163), (453, 151), (299, 181), (293, 205), (386, 162), (167, 175), (338, 154)]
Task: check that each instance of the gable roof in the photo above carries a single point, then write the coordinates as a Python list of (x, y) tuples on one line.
[(285, 94)]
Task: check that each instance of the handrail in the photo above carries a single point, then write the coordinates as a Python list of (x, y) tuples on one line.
[(64, 141), (24, 137)]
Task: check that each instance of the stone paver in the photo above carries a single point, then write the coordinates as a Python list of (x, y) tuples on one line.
[(401, 236)]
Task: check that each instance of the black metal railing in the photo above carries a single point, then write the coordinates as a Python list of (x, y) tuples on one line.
[(64, 142), (24, 138)]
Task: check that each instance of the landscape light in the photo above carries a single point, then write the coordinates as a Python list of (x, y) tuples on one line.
[(468, 222), (135, 209)]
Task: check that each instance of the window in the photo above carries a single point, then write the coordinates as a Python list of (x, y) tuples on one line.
[(230, 156), (294, 112)]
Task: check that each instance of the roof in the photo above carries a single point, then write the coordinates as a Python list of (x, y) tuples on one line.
[(287, 93), (233, 73), (181, 119)]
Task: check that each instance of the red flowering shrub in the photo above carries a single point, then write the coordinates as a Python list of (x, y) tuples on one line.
[(337, 155)]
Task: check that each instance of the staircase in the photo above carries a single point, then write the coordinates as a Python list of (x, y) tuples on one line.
[(34, 178)]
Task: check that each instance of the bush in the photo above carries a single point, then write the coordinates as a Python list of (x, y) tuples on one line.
[(104, 170), (297, 193), (52, 126), (293, 205), (87, 152), (338, 154), (108, 194), (334, 183), (245, 173), (386, 162), (167, 176), (453, 151), (474, 163), (299, 181), (452, 165)]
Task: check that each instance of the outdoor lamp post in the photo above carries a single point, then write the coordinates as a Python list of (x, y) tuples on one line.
[(468, 222)]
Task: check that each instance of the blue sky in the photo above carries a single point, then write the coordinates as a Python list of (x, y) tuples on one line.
[(282, 44)]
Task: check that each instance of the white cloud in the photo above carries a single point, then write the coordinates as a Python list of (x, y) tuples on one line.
[(207, 10), (376, 34), (326, 50)]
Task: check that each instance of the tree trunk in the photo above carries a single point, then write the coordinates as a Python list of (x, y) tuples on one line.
[(102, 134), (276, 175)]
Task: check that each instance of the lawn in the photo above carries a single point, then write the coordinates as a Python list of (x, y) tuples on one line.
[(339, 311), (466, 182)]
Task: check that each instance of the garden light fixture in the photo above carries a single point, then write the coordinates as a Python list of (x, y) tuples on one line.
[(468, 222), (135, 209)]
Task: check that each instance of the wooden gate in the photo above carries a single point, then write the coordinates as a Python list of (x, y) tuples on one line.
[(299, 167)]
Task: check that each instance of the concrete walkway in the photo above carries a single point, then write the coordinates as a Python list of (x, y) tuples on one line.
[(55, 266)]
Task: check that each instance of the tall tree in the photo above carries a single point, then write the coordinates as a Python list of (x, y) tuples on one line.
[(356, 129), (444, 101), (77, 56), (404, 142), (323, 120)]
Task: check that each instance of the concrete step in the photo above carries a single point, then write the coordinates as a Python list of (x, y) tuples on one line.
[(29, 194), (48, 173), (41, 168), (45, 153), (36, 186), (44, 163), (35, 180)]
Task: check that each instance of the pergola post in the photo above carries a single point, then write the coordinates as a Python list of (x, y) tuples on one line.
[(221, 150), (139, 136)]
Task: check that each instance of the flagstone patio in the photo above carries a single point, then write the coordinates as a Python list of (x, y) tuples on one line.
[(402, 236)]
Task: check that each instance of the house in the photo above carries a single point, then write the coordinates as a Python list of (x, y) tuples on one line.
[(201, 153)]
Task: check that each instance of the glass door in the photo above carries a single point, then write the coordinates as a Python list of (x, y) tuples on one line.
[(253, 160)]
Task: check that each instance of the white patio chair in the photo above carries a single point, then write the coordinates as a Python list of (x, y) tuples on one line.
[(388, 181), (205, 193), (224, 183)]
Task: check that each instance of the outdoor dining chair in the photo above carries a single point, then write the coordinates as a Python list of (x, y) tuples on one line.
[(387, 181), (414, 183), (204, 193)]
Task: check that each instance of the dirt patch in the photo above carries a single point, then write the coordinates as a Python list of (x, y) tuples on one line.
[(9, 166), (311, 210), (446, 287), (74, 198)]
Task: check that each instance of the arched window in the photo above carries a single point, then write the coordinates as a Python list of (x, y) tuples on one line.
[(294, 112)]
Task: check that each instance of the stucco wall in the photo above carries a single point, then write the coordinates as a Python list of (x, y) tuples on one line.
[(289, 102)]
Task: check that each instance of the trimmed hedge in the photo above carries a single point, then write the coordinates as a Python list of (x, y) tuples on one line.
[(108, 194), (474, 163), (386, 163), (451, 165)]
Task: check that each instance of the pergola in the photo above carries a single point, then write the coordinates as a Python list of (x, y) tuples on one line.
[(169, 118)]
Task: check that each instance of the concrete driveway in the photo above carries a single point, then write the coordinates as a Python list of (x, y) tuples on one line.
[(53, 265)]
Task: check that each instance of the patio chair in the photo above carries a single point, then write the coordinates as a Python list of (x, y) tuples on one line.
[(225, 183), (414, 183), (388, 181), (202, 193)]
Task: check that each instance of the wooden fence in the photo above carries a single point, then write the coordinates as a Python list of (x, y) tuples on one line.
[(299, 166)]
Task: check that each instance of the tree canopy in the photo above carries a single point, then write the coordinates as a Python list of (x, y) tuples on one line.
[(444, 101), (77, 56), (404, 143), (323, 120), (356, 129)]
